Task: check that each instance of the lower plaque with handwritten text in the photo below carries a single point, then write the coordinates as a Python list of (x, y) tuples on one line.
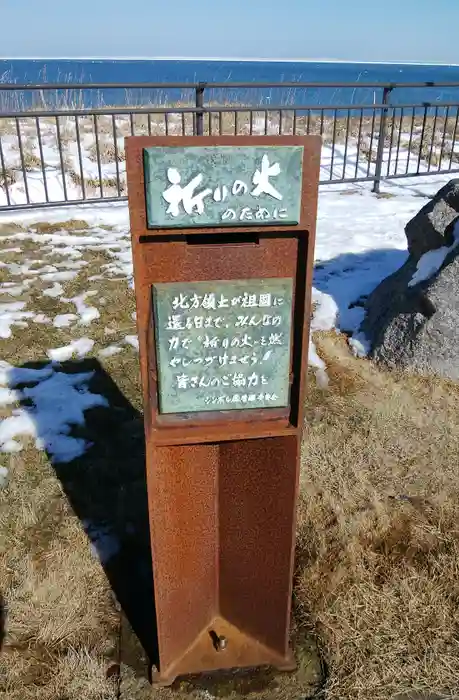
[(223, 345)]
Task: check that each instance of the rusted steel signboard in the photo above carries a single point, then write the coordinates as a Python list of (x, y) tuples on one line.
[(223, 241)]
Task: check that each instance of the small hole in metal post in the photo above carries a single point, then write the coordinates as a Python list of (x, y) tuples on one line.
[(219, 641)]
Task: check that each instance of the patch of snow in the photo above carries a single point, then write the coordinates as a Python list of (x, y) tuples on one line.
[(116, 243), (47, 269), (8, 396), (64, 276), (325, 311), (360, 345), (66, 251), (64, 320), (3, 477), (55, 291), (360, 241), (431, 262), (87, 313), (10, 446), (72, 265), (58, 402), (109, 351), (11, 314), (14, 290), (132, 340), (10, 250), (19, 423), (79, 347), (315, 361), (41, 318)]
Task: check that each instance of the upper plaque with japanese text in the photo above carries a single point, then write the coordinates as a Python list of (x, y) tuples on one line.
[(223, 345), (197, 186)]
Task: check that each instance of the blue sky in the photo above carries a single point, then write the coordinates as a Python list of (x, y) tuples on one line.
[(361, 30)]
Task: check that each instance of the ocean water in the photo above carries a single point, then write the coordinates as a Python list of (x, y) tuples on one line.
[(189, 71)]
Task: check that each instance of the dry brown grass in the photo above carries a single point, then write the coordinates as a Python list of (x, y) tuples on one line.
[(62, 627), (31, 161), (8, 177), (378, 537), (92, 185), (71, 225), (7, 127), (107, 153), (60, 621)]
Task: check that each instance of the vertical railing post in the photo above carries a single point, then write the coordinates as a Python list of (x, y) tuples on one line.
[(199, 119), (382, 136)]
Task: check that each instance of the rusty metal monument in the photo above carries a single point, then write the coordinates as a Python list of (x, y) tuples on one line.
[(223, 240)]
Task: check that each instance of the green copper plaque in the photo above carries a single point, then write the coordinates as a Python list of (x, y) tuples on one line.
[(223, 345), (222, 185)]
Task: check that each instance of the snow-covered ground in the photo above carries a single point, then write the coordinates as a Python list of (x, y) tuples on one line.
[(360, 240)]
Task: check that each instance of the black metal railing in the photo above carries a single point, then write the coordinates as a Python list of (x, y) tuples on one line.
[(63, 144)]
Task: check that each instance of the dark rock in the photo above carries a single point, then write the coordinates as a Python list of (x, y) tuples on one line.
[(414, 324), (432, 226)]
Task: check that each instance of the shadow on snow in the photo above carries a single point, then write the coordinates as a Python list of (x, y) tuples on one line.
[(350, 277)]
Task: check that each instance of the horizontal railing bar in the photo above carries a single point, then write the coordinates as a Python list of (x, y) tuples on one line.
[(370, 178), (421, 173), (210, 85), (319, 107), (94, 86), (350, 180), (152, 109)]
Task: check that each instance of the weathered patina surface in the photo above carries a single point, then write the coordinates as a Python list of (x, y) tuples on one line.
[(223, 345), (222, 185)]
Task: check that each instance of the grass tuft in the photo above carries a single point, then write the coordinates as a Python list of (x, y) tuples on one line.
[(70, 225), (107, 153)]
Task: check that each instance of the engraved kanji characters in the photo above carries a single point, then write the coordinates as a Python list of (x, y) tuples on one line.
[(176, 194), (261, 179), (190, 199)]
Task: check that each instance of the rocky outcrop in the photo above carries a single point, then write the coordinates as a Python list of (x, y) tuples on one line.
[(412, 317)]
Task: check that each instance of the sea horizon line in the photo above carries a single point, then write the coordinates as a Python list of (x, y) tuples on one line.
[(217, 59)]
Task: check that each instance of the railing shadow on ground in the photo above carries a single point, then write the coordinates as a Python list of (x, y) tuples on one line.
[(106, 488)]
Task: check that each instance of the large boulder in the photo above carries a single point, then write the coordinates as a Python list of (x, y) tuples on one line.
[(431, 227), (412, 317)]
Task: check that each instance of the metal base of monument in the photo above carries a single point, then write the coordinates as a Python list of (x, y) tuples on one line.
[(207, 654)]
